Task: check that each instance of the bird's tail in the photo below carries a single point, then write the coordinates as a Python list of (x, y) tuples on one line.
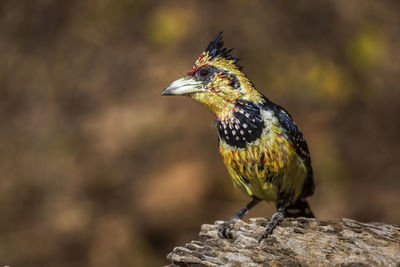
[(300, 208)]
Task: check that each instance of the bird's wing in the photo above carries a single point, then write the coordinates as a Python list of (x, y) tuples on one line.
[(293, 133), (295, 136)]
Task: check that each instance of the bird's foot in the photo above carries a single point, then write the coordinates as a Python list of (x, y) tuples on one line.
[(225, 228), (275, 220)]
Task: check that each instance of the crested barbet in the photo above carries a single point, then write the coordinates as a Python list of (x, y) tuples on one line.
[(263, 149)]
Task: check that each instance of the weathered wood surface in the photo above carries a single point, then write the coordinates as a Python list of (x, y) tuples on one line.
[(296, 242)]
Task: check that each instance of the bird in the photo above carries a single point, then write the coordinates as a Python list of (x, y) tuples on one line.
[(261, 146)]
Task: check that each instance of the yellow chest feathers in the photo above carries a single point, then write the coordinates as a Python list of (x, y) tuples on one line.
[(266, 167)]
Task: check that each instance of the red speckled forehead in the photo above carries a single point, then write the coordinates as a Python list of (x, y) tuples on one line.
[(203, 60)]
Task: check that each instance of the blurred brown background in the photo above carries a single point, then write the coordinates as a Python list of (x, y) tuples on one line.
[(97, 169)]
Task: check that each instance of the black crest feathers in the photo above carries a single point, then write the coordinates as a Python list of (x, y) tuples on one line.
[(216, 49)]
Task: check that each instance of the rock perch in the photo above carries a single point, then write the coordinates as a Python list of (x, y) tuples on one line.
[(295, 242)]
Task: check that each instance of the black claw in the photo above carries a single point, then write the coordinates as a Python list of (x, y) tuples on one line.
[(267, 233), (263, 236), (224, 230)]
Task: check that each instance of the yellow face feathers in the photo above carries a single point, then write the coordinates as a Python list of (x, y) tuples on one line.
[(224, 87)]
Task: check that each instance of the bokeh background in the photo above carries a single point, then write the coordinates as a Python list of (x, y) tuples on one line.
[(97, 169)]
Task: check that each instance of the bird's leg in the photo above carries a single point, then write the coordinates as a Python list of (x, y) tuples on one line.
[(224, 229), (275, 220)]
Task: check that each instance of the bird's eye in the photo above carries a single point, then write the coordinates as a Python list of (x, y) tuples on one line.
[(204, 73)]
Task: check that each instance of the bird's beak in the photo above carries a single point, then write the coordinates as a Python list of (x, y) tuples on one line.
[(183, 86)]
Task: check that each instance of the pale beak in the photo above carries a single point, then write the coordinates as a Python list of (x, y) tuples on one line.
[(183, 86)]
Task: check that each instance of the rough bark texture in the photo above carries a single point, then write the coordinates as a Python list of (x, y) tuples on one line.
[(296, 242)]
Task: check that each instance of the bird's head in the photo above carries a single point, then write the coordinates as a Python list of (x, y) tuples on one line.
[(216, 81)]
